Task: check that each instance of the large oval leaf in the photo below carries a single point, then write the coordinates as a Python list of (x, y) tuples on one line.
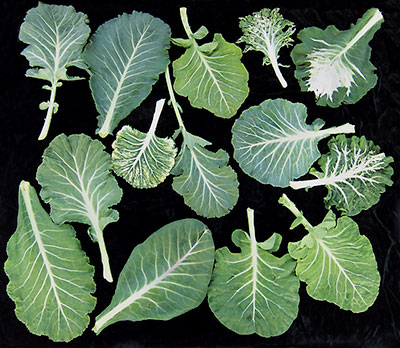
[(273, 144), (76, 181), (51, 280), (126, 56), (165, 276), (254, 291)]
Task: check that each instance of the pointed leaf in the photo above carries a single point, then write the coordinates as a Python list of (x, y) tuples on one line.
[(273, 144), (126, 56), (165, 276), (51, 280)]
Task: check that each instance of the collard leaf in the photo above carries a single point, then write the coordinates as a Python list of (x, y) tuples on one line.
[(143, 159), (273, 144), (355, 173), (208, 185), (56, 36), (335, 64), (336, 262), (211, 75), (76, 181), (51, 280), (165, 276), (126, 56), (253, 291)]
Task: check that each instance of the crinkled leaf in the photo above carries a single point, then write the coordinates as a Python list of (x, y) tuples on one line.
[(143, 159), (208, 185), (355, 173), (165, 276), (253, 291), (273, 144), (76, 181), (335, 64), (51, 280), (126, 56)]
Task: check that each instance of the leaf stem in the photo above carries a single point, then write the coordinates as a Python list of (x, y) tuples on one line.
[(343, 129), (173, 100), (104, 257), (252, 231), (278, 73), (300, 219), (185, 22), (47, 120)]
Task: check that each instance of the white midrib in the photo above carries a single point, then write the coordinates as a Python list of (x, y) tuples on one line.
[(137, 295), (254, 259), (42, 250)]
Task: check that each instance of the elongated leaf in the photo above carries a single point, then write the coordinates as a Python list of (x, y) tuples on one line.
[(126, 56), (208, 185), (51, 280), (355, 173), (273, 144), (254, 291), (336, 262), (143, 159), (211, 75), (165, 276), (56, 36), (76, 181), (335, 64)]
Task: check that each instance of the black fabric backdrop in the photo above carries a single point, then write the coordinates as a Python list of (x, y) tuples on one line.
[(377, 116)]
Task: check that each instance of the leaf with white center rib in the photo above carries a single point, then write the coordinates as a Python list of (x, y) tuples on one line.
[(337, 263), (51, 280), (165, 276), (273, 144), (205, 180), (143, 159), (210, 75), (56, 36), (355, 173), (125, 55), (76, 181), (335, 64), (254, 291)]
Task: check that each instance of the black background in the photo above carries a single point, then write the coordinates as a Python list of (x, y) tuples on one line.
[(377, 116)]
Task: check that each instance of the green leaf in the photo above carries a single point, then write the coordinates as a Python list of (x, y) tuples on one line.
[(165, 276), (51, 280), (76, 181), (208, 185), (56, 36), (126, 55), (212, 75), (253, 291), (273, 144), (335, 64), (336, 262), (355, 173), (143, 159)]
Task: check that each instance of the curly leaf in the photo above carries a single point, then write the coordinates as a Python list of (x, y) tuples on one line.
[(51, 280), (273, 144), (254, 291), (335, 64), (208, 185), (210, 75), (56, 36), (355, 173), (336, 262), (125, 55), (165, 276), (143, 159), (76, 181)]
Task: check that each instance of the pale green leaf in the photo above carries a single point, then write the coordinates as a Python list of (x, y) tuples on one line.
[(56, 36), (335, 64), (143, 159), (126, 55), (273, 144), (205, 180), (165, 276), (51, 280), (253, 291), (355, 172), (76, 181)]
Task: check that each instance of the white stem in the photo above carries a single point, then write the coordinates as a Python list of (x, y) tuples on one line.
[(278, 73), (47, 121), (297, 185), (343, 129), (104, 255)]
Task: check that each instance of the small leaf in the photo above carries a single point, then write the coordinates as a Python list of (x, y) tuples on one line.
[(201, 33), (272, 244)]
